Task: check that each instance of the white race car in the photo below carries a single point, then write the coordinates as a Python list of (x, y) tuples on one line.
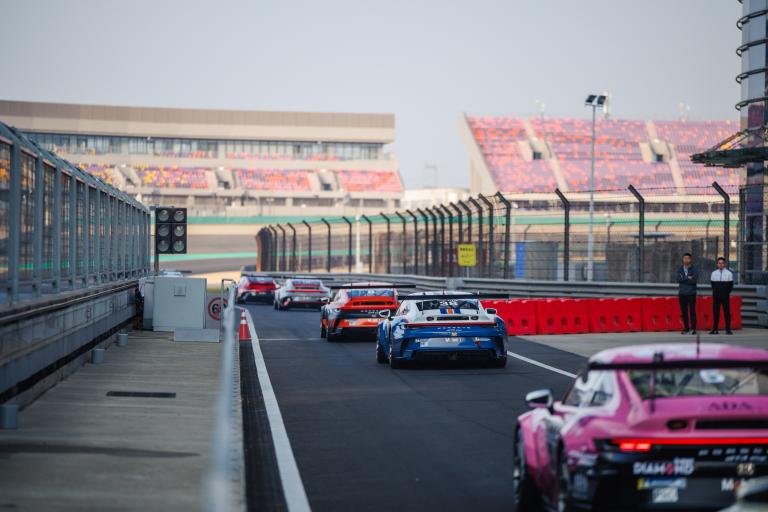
[(302, 293)]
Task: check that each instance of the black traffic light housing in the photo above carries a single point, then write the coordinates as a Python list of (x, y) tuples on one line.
[(170, 230)]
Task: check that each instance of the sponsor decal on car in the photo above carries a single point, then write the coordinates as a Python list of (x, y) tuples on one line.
[(678, 466), (731, 484), (657, 483), (664, 495)]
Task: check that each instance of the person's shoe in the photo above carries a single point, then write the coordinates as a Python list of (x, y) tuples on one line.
[(713, 331), (693, 331), (728, 332)]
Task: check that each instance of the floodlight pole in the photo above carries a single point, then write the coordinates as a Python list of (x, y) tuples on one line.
[(590, 235)]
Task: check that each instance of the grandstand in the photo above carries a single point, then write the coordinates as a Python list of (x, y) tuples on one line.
[(537, 155), (222, 163)]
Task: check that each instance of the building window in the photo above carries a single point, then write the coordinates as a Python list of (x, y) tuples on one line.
[(49, 181), (5, 185), (26, 240), (66, 217)]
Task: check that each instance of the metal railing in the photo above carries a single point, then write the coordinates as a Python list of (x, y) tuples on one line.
[(224, 481), (639, 236), (753, 297), (62, 228)]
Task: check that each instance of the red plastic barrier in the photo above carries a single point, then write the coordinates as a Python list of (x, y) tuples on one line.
[(661, 314), (704, 313), (562, 316), (615, 315), (521, 316)]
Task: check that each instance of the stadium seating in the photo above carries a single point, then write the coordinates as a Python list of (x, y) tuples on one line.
[(273, 179), (369, 181), (618, 161), (172, 177), (101, 171), (690, 137), (497, 138)]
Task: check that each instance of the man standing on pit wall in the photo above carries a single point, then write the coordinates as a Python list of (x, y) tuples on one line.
[(722, 284), (687, 276)]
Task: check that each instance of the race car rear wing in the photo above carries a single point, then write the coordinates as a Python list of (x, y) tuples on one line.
[(455, 296), (692, 364), (384, 286)]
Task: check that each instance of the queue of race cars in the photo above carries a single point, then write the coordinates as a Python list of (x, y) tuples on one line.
[(648, 427)]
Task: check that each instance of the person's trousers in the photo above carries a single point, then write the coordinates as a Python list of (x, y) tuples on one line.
[(725, 302), (688, 311)]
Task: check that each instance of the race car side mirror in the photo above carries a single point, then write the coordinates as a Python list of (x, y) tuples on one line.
[(539, 399), (384, 313), (490, 311)]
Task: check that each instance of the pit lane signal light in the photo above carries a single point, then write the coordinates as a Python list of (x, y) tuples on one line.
[(170, 230)]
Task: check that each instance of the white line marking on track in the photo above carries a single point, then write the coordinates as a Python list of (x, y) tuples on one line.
[(542, 365), (285, 339), (293, 488)]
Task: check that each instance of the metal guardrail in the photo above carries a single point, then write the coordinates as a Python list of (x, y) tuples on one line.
[(223, 486), (53, 303), (535, 288)]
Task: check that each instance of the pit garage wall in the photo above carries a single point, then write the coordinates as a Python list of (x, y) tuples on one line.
[(46, 345)]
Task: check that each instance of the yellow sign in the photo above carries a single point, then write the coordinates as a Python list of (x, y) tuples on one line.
[(467, 255)]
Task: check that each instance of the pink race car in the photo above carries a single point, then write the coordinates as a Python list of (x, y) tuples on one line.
[(649, 427)]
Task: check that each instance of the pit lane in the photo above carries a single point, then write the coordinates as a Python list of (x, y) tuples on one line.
[(366, 437)]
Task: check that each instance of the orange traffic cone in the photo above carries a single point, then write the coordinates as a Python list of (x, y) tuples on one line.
[(245, 333)]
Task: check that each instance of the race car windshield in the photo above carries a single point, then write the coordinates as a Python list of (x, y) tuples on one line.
[(700, 382), (259, 279), (373, 292), (426, 305)]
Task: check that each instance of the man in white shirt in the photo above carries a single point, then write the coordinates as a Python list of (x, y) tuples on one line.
[(722, 284)]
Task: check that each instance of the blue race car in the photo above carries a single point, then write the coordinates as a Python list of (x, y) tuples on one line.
[(442, 326)]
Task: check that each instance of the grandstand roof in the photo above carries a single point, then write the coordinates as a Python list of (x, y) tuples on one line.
[(198, 123)]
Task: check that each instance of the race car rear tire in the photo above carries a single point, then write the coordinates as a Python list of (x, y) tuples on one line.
[(526, 493), (381, 357), (394, 363), (564, 501), (499, 363), (332, 337)]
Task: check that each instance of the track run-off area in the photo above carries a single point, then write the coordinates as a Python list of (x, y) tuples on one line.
[(361, 436)]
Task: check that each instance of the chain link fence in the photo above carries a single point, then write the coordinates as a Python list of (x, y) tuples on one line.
[(637, 235)]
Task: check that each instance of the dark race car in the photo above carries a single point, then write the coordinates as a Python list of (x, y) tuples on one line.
[(256, 288), (355, 311), (649, 427)]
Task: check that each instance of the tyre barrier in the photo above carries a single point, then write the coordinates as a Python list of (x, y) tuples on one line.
[(581, 316)]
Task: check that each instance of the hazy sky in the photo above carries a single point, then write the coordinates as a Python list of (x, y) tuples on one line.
[(425, 61)]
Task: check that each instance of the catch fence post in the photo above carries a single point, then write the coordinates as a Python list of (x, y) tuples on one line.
[(507, 218), (426, 240), (370, 243), (293, 247), (415, 241), (489, 266), (389, 243), (641, 230), (402, 242), (566, 233), (480, 252), (309, 245), (726, 219), (349, 244)]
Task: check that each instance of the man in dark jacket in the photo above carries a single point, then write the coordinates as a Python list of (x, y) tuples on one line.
[(687, 276), (722, 284)]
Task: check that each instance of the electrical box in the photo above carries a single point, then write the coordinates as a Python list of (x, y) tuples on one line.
[(178, 302)]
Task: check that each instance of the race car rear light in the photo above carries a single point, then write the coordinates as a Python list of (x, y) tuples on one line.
[(304, 290), (630, 446), (644, 445)]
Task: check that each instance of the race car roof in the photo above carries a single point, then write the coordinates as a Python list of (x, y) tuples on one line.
[(678, 354)]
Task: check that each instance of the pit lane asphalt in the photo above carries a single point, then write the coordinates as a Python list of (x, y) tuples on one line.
[(366, 437)]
